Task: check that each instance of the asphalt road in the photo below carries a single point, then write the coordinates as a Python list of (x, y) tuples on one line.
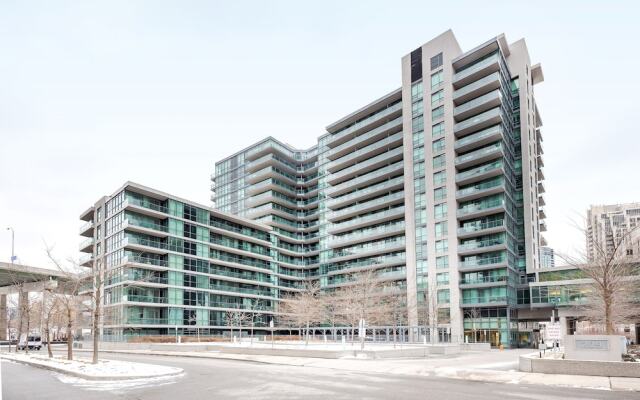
[(224, 379)]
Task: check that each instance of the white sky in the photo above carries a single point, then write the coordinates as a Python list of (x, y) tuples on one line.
[(93, 94)]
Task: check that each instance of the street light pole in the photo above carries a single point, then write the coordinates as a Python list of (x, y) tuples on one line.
[(13, 236)]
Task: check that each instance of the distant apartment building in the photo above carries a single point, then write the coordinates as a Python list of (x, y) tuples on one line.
[(174, 266), (609, 226), (437, 186), (547, 257)]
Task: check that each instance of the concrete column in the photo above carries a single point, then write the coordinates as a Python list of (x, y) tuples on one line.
[(3, 317), (563, 328)]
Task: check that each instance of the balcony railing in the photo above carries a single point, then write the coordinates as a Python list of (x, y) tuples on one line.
[(480, 226), (338, 137)]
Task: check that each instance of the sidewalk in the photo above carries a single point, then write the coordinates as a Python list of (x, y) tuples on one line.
[(494, 367)]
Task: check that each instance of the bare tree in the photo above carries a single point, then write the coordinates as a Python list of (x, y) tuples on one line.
[(303, 308), (613, 289), (52, 312), (229, 320), (69, 302), (365, 303), (473, 314)]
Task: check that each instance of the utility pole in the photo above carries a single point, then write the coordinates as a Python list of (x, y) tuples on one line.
[(13, 237)]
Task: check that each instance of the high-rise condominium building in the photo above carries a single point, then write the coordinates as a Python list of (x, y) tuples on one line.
[(437, 186), (547, 257), (609, 226)]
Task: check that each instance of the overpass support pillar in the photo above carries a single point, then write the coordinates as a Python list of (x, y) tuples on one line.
[(3, 317)]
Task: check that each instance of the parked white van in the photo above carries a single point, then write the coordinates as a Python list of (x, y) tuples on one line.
[(33, 342)]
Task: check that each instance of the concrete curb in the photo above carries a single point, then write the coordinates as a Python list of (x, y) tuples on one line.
[(88, 376)]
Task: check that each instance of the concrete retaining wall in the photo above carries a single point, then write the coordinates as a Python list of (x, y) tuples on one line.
[(350, 351), (530, 363)]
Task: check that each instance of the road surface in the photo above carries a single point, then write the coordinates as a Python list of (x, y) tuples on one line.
[(225, 379)]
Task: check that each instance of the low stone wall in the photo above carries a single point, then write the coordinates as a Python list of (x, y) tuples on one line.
[(412, 351), (531, 363), (475, 346)]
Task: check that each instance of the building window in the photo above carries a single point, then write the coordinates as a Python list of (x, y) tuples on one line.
[(438, 161), (442, 278), (437, 113), (437, 130), (442, 246), (442, 262), (189, 280), (417, 108), (437, 97), (436, 61), (437, 80), (439, 178), (189, 212), (443, 296), (440, 194), (438, 145), (417, 124), (440, 210), (441, 229), (416, 91), (189, 231)]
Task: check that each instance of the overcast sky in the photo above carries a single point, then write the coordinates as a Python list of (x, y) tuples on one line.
[(93, 94)]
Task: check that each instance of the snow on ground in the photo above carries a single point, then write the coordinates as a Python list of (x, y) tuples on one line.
[(117, 385), (103, 369)]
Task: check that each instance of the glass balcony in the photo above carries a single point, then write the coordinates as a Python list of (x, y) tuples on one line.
[(246, 275), (480, 244), (482, 205), (489, 262), (485, 136), (484, 300), (144, 299), (374, 262), (480, 226), (481, 155), (371, 163), (365, 152), (367, 220), (86, 246), (146, 321), (365, 178), (484, 280), (144, 260), (86, 229), (367, 233), (369, 247), (481, 172), (235, 289), (478, 122), (492, 186), (477, 105), (360, 208), (371, 135), (488, 65), (363, 193), (344, 135), (147, 204), (480, 86), (146, 224)]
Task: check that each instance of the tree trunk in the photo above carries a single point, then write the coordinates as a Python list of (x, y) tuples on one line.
[(306, 341), (607, 316), (69, 338), (96, 323), (26, 349), (48, 336)]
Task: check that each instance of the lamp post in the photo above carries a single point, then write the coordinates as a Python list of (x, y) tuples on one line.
[(13, 235)]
